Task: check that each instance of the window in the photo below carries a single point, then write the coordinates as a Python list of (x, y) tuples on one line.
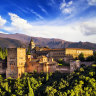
[(19, 74)]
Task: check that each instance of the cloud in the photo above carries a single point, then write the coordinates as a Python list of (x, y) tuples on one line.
[(70, 3), (66, 7), (2, 22), (88, 28), (35, 13), (67, 10), (1, 32), (43, 9), (71, 32), (18, 24), (91, 2), (53, 1)]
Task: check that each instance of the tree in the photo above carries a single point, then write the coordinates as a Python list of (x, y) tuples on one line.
[(81, 57), (31, 93), (47, 76), (90, 58), (28, 52), (94, 55)]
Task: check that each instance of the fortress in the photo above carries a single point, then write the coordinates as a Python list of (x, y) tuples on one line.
[(41, 60)]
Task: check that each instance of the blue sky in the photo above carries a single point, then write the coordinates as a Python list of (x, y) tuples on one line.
[(71, 20)]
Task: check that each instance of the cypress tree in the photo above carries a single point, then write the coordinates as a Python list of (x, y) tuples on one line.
[(47, 76), (31, 93)]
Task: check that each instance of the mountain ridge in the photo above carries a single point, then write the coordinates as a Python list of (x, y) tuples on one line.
[(23, 39)]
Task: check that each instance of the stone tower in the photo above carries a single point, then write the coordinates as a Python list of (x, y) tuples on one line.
[(16, 60), (32, 44)]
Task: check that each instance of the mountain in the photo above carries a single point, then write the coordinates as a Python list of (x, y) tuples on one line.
[(10, 43), (21, 39)]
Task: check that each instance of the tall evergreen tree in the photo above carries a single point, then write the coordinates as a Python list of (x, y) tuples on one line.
[(31, 93)]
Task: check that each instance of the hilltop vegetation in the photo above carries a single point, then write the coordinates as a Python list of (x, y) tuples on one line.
[(80, 83)]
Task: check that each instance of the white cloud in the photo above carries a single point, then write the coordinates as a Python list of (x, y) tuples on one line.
[(92, 2), (62, 5), (1, 32), (43, 9), (66, 7), (18, 24), (2, 21), (67, 10), (70, 3), (35, 13), (88, 27)]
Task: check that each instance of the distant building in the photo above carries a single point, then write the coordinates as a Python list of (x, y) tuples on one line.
[(76, 51), (59, 53), (31, 45), (16, 60), (68, 53), (41, 64)]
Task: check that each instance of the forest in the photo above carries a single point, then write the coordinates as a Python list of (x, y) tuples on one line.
[(82, 82)]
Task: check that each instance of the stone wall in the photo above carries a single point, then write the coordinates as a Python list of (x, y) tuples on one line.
[(74, 65), (63, 69), (69, 69), (86, 63)]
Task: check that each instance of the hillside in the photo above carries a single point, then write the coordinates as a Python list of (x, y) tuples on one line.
[(52, 43), (10, 43)]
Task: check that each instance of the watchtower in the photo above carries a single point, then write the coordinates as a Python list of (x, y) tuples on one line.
[(16, 60)]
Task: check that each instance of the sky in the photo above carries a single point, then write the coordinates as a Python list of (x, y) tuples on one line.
[(71, 20)]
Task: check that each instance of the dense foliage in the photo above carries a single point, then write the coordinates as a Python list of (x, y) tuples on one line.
[(80, 83), (89, 58), (94, 56), (61, 62), (3, 53), (81, 57)]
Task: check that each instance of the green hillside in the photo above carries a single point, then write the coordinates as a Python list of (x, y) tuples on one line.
[(80, 83)]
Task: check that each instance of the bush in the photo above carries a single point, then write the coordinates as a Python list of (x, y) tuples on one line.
[(81, 57)]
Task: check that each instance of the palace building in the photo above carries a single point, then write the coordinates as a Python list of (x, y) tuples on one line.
[(40, 64), (66, 53), (74, 52), (16, 60)]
